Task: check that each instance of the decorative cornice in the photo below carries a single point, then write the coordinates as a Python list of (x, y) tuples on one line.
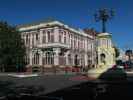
[(49, 24)]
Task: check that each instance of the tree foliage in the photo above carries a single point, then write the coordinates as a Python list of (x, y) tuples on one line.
[(12, 50), (129, 53), (117, 52)]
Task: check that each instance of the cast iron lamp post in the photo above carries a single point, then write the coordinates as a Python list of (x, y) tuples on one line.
[(104, 15)]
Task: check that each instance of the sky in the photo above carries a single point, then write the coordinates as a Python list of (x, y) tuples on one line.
[(76, 13)]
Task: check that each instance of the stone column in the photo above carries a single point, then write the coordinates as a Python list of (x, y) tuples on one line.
[(73, 60), (40, 58), (34, 39), (66, 56), (46, 36), (31, 40), (56, 56), (30, 57), (86, 59), (92, 52), (56, 34), (67, 38), (86, 44), (41, 36)]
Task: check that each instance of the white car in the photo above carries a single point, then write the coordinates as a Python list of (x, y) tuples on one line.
[(119, 66)]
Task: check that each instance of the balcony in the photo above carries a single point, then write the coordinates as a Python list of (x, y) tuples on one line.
[(47, 45)]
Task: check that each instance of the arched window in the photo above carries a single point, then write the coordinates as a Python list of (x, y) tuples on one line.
[(76, 60), (35, 59), (102, 58), (49, 58), (69, 59)]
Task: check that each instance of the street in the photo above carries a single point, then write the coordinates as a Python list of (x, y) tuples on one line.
[(63, 87)]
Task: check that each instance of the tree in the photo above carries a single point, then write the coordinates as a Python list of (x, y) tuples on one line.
[(117, 52), (129, 54), (12, 50)]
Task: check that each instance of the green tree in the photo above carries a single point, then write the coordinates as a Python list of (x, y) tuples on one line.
[(129, 53), (12, 49), (117, 52)]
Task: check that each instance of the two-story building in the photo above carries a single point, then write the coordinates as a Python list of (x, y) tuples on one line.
[(51, 43)]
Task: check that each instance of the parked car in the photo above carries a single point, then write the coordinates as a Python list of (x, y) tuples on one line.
[(128, 65)]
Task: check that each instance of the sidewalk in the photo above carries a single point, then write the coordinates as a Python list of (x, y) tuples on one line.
[(38, 74)]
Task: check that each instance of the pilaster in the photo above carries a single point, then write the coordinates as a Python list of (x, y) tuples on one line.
[(40, 57), (41, 36), (56, 34), (86, 59), (30, 57), (56, 56)]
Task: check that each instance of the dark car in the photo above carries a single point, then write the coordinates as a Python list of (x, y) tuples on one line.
[(128, 65)]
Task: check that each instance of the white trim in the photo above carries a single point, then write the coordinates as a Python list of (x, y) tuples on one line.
[(80, 32)]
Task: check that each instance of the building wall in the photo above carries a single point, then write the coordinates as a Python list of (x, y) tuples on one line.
[(105, 47), (57, 44)]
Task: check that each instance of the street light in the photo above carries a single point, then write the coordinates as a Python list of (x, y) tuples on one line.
[(104, 15)]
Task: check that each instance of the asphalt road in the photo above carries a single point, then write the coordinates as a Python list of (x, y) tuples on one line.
[(65, 87)]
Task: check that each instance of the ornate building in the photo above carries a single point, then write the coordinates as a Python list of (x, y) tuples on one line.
[(54, 43), (105, 56), (105, 50)]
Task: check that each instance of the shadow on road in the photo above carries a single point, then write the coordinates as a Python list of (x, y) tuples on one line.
[(110, 85)]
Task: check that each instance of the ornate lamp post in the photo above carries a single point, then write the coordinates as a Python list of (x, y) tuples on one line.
[(104, 15)]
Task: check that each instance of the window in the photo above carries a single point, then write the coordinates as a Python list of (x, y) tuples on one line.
[(68, 38), (78, 43), (35, 59), (75, 42), (48, 34), (27, 59), (69, 59), (65, 37), (60, 36), (71, 41), (32, 39), (26, 39), (52, 37), (44, 38), (62, 58), (76, 39), (29, 39), (76, 62), (49, 58), (37, 37)]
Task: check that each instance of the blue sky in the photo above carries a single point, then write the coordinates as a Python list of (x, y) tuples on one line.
[(77, 13)]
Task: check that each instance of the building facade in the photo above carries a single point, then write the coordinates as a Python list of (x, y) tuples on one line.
[(105, 50), (54, 43)]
